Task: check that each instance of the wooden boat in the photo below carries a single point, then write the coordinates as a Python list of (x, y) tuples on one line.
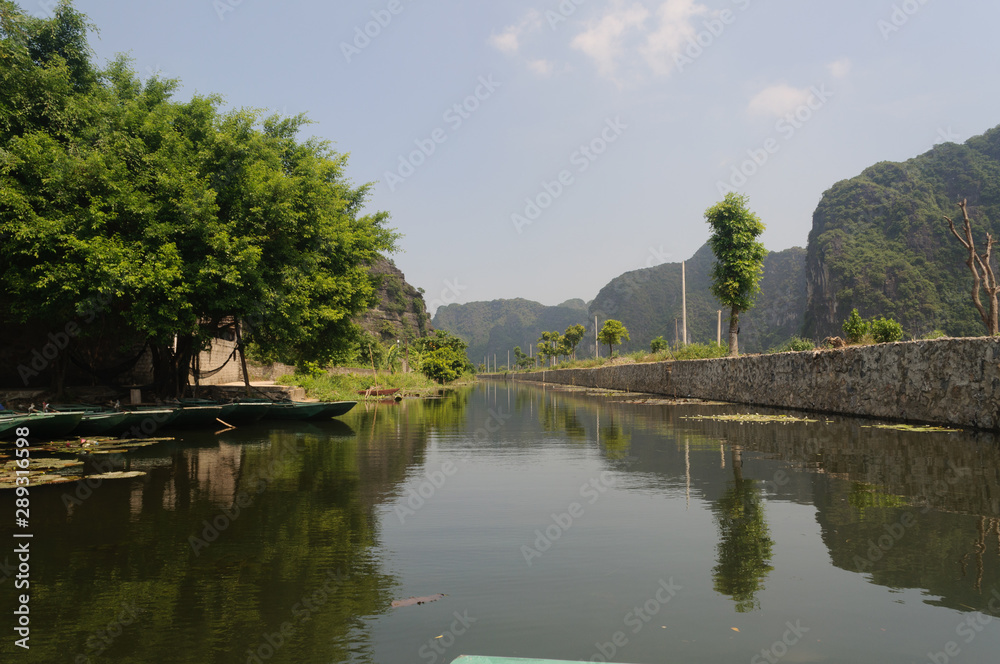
[(45, 426), (296, 410), (379, 392)]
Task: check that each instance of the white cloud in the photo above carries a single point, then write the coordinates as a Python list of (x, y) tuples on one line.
[(603, 41), (840, 69), (778, 100), (673, 34), (509, 41), (541, 67)]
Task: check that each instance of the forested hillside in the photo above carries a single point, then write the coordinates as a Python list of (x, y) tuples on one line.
[(648, 302), (880, 242), (499, 325)]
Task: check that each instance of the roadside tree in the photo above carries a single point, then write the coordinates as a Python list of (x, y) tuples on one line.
[(739, 258)]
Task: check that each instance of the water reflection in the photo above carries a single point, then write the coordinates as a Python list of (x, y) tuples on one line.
[(907, 509), (744, 550), (280, 543)]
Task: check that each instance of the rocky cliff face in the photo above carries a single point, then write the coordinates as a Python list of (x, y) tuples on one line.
[(400, 313)]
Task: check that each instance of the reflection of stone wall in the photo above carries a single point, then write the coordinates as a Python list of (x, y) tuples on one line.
[(945, 381)]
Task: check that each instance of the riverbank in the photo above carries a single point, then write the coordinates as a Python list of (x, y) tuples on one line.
[(951, 382)]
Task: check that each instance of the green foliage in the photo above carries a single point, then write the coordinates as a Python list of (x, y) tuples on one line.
[(795, 344), (878, 330), (736, 274), (886, 331), (856, 328), (442, 356), (175, 213), (612, 334), (882, 245), (700, 351), (658, 344), (499, 325), (522, 360), (571, 338)]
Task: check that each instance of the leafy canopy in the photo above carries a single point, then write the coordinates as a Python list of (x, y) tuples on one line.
[(739, 256)]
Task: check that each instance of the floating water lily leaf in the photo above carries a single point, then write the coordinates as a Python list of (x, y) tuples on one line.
[(416, 600)]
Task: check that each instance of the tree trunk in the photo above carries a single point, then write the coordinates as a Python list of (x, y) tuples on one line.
[(734, 332)]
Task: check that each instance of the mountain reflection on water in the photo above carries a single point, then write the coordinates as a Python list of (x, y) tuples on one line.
[(288, 542)]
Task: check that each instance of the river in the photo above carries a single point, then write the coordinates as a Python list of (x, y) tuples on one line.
[(556, 523)]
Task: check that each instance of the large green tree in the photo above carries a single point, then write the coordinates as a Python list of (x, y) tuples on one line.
[(442, 356), (176, 216), (739, 258)]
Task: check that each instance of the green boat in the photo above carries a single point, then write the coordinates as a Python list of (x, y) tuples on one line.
[(248, 412), (296, 410), (45, 426), (101, 423), (143, 422), (194, 416), (334, 409)]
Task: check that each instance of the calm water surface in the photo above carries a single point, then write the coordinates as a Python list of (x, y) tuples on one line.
[(558, 524)]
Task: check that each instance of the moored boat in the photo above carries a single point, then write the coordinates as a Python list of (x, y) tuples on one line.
[(40, 425), (296, 410), (244, 412), (99, 423), (334, 409)]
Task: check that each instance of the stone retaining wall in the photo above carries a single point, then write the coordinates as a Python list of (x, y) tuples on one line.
[(942, 381)]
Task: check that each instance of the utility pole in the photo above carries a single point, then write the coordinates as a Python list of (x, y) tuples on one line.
[(597, 346), (684, 305), (718, 330)]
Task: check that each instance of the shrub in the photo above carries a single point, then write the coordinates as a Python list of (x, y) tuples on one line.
[(794, 344), (878, 330), (886, 331), (658, 344), (855, 328)]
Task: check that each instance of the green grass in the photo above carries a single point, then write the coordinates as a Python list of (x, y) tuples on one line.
[(345, 387), (689, 352)]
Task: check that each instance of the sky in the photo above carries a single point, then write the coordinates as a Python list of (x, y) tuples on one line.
[(540, 148)]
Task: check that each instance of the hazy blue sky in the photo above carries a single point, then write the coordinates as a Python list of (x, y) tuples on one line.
[(539, 149)]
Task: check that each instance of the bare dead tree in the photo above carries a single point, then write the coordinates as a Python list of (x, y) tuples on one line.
[(979, 264)]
